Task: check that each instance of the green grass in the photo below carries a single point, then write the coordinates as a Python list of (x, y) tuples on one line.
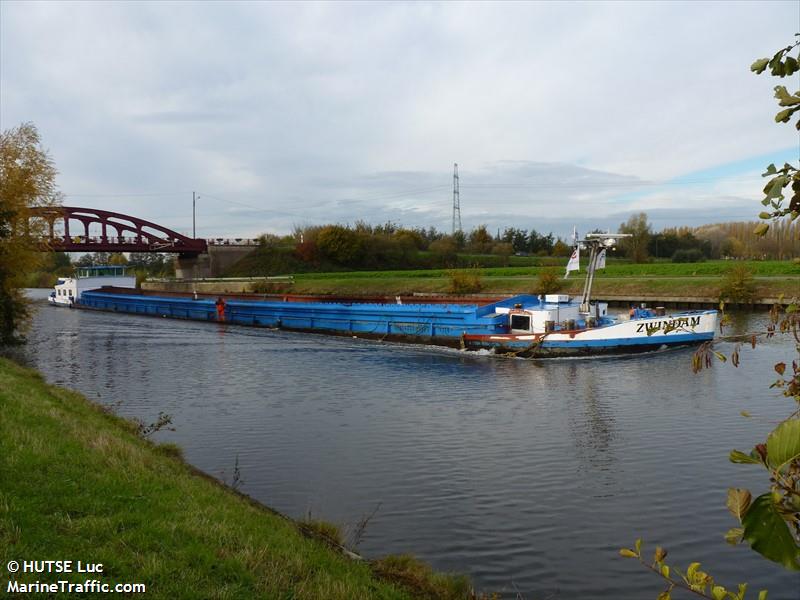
[(283, 261), (717, 268), (409, 571), (77, 483), (619, 278), (762, 268)]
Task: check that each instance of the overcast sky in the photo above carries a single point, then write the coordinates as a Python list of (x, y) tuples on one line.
[(285, 114)]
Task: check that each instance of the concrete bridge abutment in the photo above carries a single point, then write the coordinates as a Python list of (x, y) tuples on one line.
[(214, 263)]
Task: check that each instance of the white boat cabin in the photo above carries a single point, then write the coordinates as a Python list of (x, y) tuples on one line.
[(554, 312), (68, 290)]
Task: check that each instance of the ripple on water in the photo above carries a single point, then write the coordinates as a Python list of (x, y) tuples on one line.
[(526, 475)]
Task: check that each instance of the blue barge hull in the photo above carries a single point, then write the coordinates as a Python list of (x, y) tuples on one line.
[(507, 326), (436, 323)]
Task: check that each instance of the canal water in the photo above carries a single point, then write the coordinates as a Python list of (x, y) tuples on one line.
[(527, 476)]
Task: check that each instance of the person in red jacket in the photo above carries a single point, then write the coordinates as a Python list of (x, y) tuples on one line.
[(220, 304)]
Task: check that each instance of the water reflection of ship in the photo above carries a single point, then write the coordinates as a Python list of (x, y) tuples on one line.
[(591, 422), (738, 322)]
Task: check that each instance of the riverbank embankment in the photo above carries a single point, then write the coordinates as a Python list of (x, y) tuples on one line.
[(701, 290), (80, 484)]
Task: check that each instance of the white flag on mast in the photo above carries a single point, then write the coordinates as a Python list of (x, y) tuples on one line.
[(574, 263), (601, 259)]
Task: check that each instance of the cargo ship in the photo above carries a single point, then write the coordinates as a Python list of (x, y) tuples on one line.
[(525, 326)]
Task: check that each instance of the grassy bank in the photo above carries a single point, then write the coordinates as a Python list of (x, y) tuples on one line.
[(715, 268), (266, 261), (77, 483), (646, 281), (704, 279), (649, 280)]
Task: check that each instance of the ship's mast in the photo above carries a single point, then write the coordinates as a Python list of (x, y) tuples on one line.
[(590, 268), (596, 242)]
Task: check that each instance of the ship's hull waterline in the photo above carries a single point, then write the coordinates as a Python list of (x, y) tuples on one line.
[(466, 326)]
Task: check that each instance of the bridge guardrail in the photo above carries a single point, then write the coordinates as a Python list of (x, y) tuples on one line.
[(132, 241), (232, 241)]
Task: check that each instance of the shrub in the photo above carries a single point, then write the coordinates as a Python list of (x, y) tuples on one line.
[(503, 250), (410, 572), (548, 261), (444, 250), (464, 281), (691, 255), (408, 235), (549, 281), (170, 449), (141, 277), (738, 285), (269, 240), (340, 244), (387, 252), (561, 249), (307, 251), (42, 280), (322, 529), (270, 287)]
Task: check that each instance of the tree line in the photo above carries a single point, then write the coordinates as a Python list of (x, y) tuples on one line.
[(392, 246), (720, 240), (477, 241), (372, 246)]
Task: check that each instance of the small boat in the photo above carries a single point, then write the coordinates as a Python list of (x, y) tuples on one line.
[(525, 326), (68, 290)]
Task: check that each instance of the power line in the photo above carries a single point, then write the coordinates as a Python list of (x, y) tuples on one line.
[(148, 194), (202, 195), (609, 184), (412, 192)]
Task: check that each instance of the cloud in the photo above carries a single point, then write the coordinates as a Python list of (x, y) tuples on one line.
[(312, 112)]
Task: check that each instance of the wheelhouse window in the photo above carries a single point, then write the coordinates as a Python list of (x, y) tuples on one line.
[(521, 322)]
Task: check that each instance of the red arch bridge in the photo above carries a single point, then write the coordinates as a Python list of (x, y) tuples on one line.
[(111, 232), (114, 232)]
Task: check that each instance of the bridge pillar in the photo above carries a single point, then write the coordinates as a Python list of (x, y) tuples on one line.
[(212, 264), (193, 267), (223, 257)]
